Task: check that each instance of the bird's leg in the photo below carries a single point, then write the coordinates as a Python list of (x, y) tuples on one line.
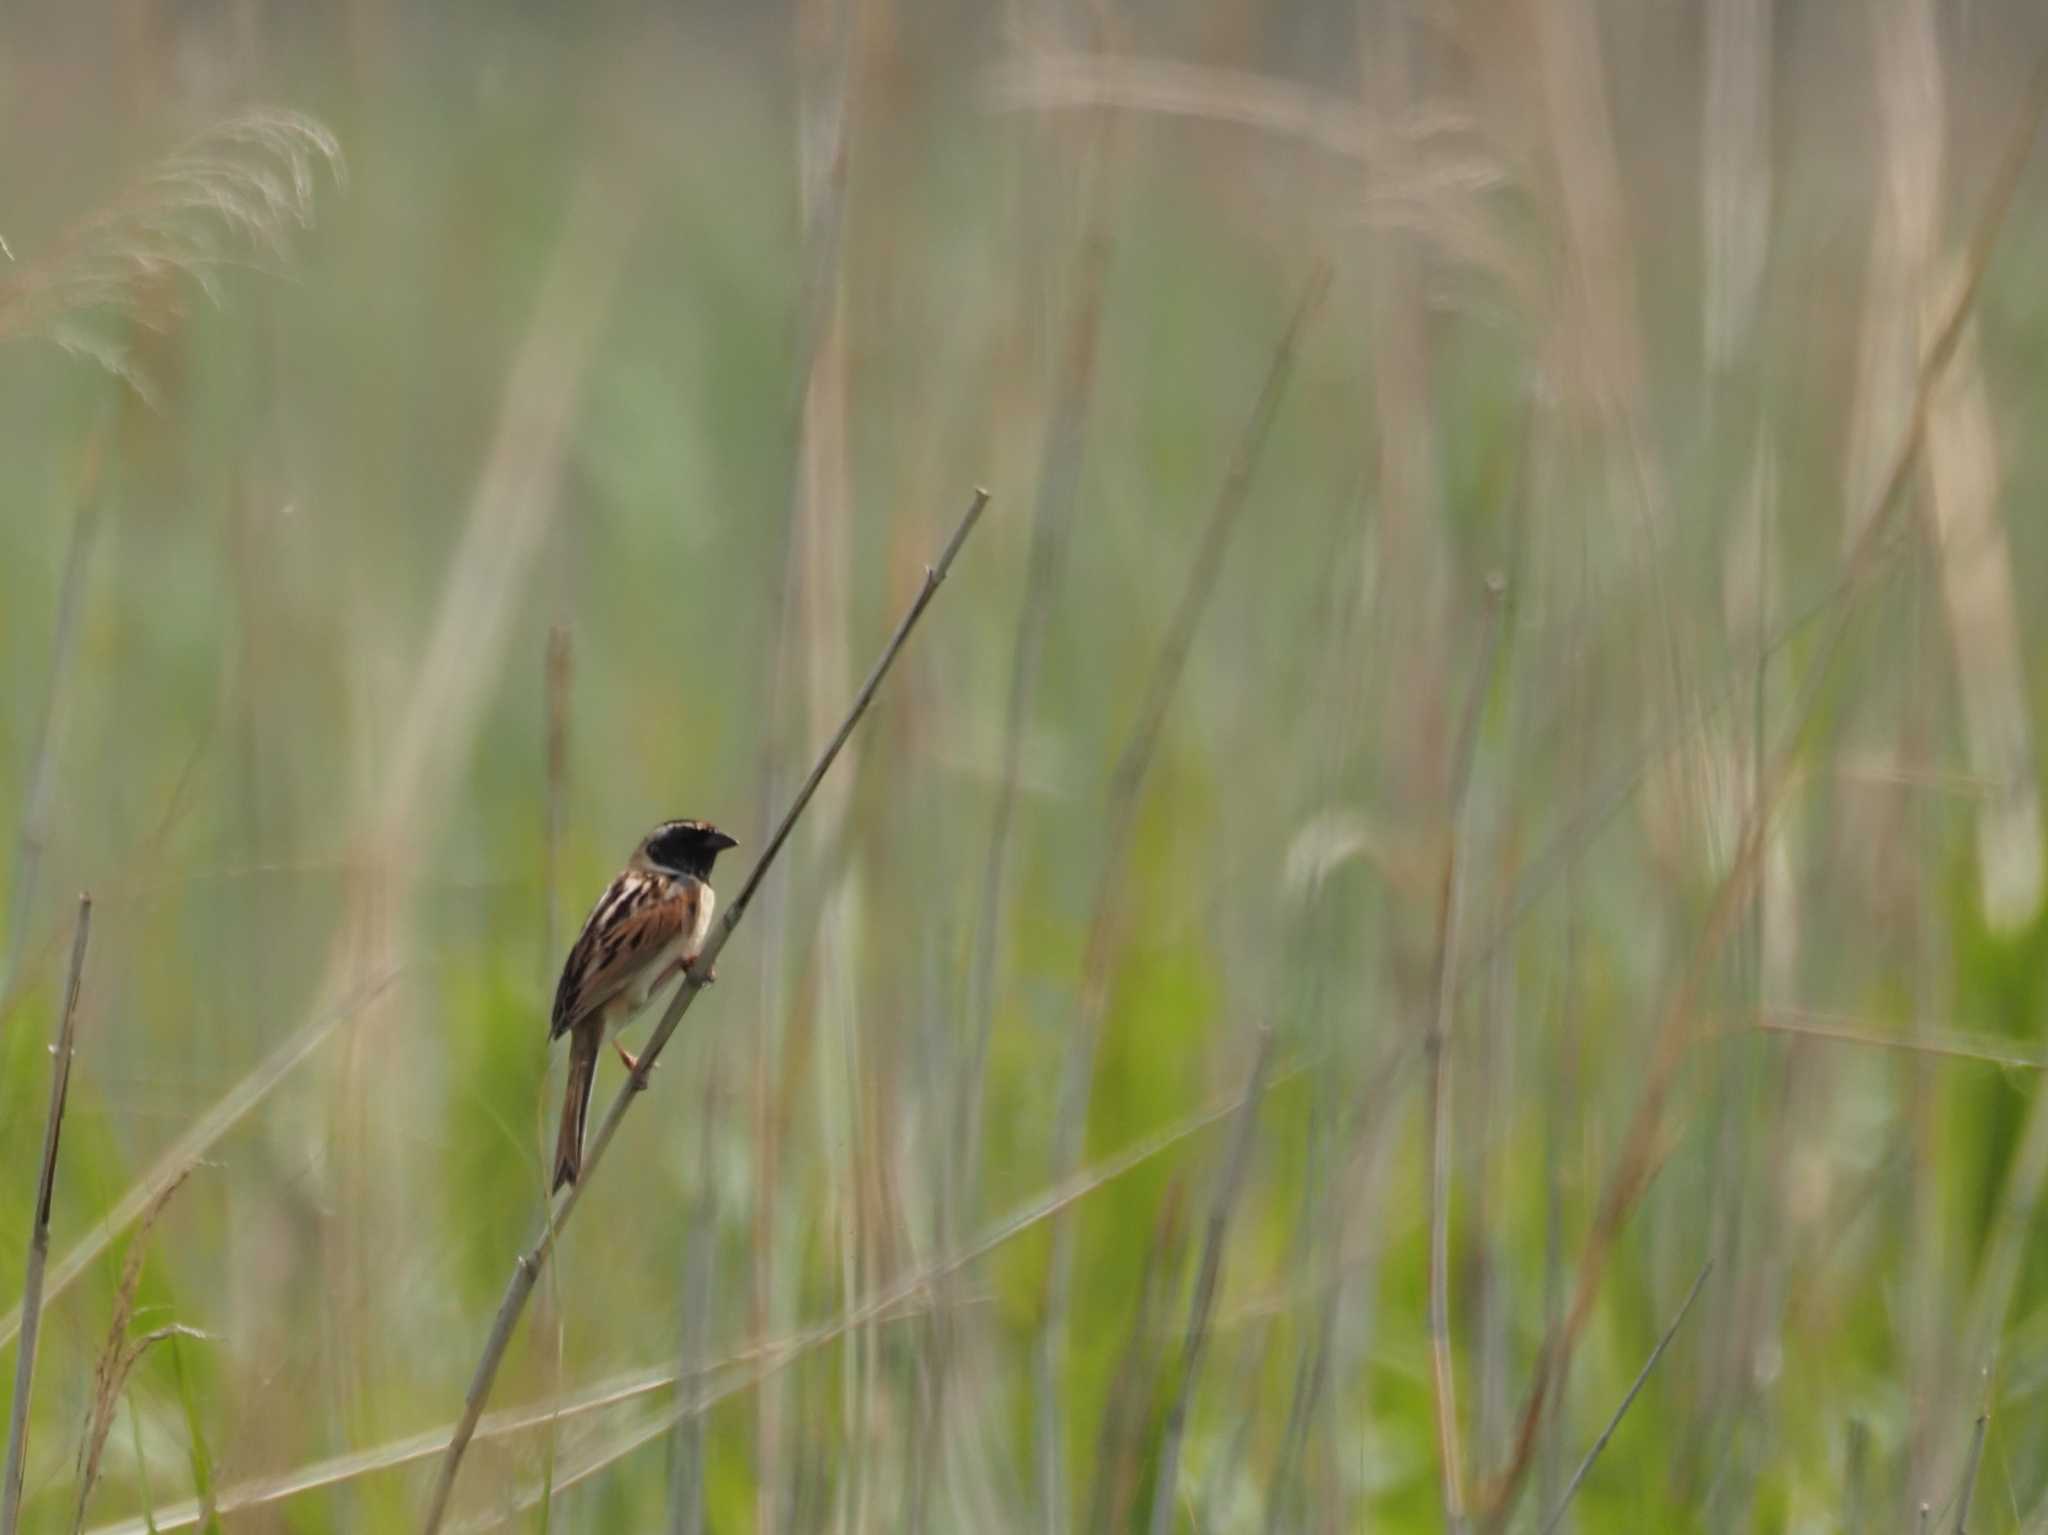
[(710, 972), (629, 1060)]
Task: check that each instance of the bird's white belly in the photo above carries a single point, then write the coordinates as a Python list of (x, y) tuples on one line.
[(664, 966)]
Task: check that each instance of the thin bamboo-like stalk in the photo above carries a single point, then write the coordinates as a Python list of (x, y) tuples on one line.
[(1120, 1444), (185, 1152), (1436, 1044), (556, 681), (1059, 474), (1121, 817), (1627, 1401), (755, 1362), (527, 1269), (825, 124), (1166, 1486), (39, 1232), (1054, 1203), (699, 1282), (558, 676), (34, 831), (1977, 1431)]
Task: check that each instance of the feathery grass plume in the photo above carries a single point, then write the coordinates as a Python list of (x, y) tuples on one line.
[(120, 1354), (231, 198)]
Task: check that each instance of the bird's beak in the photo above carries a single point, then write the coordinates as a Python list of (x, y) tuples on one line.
[(721, 841)]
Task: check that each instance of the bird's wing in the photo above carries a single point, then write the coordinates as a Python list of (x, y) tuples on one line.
[(632, 925)]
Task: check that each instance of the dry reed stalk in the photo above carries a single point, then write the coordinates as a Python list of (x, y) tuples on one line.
[(1054, 80), (527, 1269), (336, 1471), (826, 35), (483, 595), (33, 832), (187, 1150), (1736, 186), (39, 1231), (1430, 175), (1166, 1483), (830, 36), (1907, 294), (923, 1279), (1977, 1432), (1059, 472), (1106, 923), (1627, 1401), (699, 1284), (1119, 1452), (1436, 1049), (1409, 582), (1927, 1038), (556, 687), (1061, 452), (557, 677)]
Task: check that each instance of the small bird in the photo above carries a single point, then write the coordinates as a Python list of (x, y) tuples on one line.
[(645, 930)]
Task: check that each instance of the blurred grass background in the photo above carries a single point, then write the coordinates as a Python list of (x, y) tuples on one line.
[(1622, 813)]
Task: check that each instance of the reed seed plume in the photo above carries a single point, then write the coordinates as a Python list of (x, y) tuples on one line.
[(233, 197), (121, 1353)]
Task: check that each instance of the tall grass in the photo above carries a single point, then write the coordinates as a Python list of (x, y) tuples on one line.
[(1604, 761)]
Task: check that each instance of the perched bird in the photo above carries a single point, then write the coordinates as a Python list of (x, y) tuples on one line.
[(645, 930)]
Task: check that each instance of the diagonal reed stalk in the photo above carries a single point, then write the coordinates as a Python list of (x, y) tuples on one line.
[(1628, 1400), (184, 1153), (1105, 928), (39, 1232), (902, 1298), (889, 1298), (1165, 1489), (527, 1270)]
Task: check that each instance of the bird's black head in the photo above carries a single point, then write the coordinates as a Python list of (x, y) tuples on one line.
[(686, 847)]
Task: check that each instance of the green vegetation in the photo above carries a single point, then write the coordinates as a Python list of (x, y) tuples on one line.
[(1583, 687)]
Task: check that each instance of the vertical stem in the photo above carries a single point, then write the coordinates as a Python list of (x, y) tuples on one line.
[(29, 838), (700, 1275), (1443, 1374), (556, 681), (39, 1233), (1165, 1489), (1105, 928), (558, 678)]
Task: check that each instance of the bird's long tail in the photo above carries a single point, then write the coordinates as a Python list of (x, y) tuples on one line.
[(583, 1045)]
